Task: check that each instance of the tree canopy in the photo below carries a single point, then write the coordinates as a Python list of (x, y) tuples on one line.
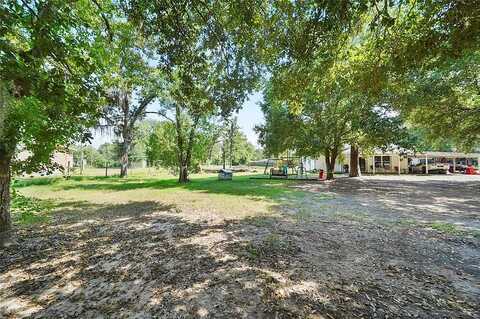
[(51, 61), (205, 52)]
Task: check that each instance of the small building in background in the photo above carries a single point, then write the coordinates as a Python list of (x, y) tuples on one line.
[(63, 159)]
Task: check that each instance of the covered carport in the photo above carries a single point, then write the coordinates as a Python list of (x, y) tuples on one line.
[(395, 162), (457, 160)]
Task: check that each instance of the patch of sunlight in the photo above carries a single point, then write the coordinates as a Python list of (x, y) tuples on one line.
[(18, 307), (59, 261), (180, 308), (202, 312), (300, 288)]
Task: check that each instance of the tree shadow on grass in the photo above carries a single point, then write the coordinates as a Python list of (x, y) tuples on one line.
[(142, 259)]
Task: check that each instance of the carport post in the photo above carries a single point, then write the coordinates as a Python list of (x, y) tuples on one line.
[(373, 164), (454, 160), (426, 164), (399, 163)]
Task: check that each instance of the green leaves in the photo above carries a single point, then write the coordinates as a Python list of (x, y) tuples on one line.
[(208, 63), (445, 100), (162, 146), (49, 67), (409, 58)]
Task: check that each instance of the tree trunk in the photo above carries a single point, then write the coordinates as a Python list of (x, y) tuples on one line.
[(188, 157), (5, 220), (183, 171), (231, 141), (330, 169), (330, 159), (183, 176), (124, 159), (184, 151), (354, 153), (224, 157), (81, 160)]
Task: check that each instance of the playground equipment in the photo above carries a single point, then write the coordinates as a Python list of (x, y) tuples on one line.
[(286, 167)]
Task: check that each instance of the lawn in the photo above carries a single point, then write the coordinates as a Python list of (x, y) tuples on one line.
[(147, 247), (204, 196)]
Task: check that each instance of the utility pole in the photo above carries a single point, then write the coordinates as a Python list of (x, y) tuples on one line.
[(224, 155), (231, 137), (81, 159), (106, 160)]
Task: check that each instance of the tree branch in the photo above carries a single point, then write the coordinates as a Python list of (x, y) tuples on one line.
[(142, 105), (105, 20), (162, 115)]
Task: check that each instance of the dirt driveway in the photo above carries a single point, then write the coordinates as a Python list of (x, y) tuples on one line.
[(376, 247), (450, 199)]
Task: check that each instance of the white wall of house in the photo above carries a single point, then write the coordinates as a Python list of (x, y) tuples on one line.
[(319, 163), (384, 163)]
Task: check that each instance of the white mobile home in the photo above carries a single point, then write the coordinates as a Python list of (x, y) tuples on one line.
[(395, 163)]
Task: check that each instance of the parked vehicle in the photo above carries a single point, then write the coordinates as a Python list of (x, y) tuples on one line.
[(417, 166), (458, 168)]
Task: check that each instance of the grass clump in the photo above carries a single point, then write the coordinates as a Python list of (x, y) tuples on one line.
[(272, 246), (452, 229), (353, 216), (406, 222), (260, 221), (28, 210), (445, 228), (38, 181), (303, 215)]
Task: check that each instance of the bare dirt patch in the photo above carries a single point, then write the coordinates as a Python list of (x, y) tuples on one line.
[(344, 250)]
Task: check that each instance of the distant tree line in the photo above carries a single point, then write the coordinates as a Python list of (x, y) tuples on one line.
[(154, 142)]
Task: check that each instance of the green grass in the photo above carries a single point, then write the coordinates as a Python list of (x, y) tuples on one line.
[(28, 210), (204, 194), (452, 229), (445, 228), (240, 186)]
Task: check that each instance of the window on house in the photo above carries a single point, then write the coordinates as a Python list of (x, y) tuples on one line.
[(386, 161), (378, 161)]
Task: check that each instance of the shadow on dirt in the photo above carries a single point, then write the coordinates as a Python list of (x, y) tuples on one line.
[(420, 201), (146, 259)]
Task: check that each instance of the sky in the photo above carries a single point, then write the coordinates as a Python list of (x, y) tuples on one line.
[(249, 115)]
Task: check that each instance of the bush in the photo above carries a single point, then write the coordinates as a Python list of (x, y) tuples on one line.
[(27, 210)]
